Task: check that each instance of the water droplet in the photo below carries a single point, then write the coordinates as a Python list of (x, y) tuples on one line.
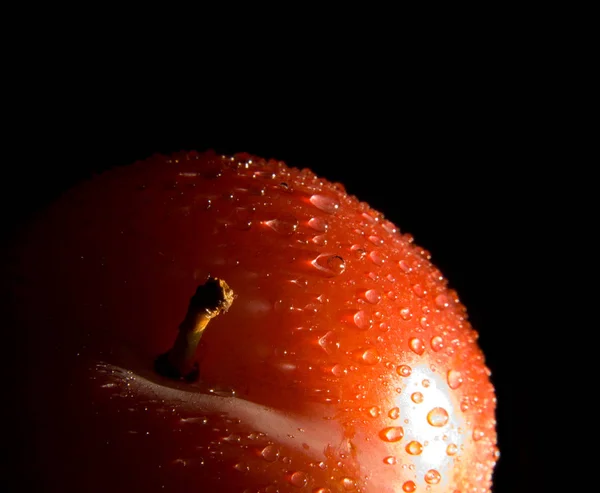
[(454, 378), (376, 258), (451, 449), (409, 487), (478, 434), (348, 483), (264, 175), (404, 370), (362, 320), (414, 448), (464, 404), (285, 224), (392, 434), (417, 397), (372, 296), (318, 224), (329, 342), (240, 466), (233, 438), (419, 290), (326, 203), (405, 313), (369, 356), (425, 383), (432, 477), (270, 453), (374, 411), (320, 240), (298, 479), (437, 343), (358, 252), (437, 417), (442, 301), (376, 240), (403, 264), (391, 460), (394, 413), (339, 371), (330, 265), (416, 345)]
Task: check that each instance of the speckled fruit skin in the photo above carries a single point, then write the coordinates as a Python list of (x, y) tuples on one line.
[(345, 363)]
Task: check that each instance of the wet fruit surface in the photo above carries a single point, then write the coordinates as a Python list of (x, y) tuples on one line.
[(345, 363)]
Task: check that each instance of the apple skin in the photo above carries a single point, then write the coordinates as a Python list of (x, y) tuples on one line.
[(300, 379)]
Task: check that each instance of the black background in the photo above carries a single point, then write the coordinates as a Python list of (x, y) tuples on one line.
[(462, 163)]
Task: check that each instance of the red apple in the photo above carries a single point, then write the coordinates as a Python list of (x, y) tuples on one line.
[(345, 362)]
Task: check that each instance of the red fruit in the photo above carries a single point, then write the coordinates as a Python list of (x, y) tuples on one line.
[(344, 364)]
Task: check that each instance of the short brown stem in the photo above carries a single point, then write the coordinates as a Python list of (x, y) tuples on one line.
[(210, 299)]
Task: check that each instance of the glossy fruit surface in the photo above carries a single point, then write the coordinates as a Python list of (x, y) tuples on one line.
[(345, 363)]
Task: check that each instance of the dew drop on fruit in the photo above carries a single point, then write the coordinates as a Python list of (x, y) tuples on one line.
[(404, 370), (409, 487), (478, 434), (320, 240), (394, 413), (437, 343), (451, 449), (298, 479), (432, 477), (416, 397), (240, 466), (406, 268), (348, 483), (325, 203), (329, 342), (358, 252), (419, 290), (376, 240), (284, 225), (425, 383), (362, 320), (442, 301), (389, 227), (392, 434), (390, 460), (464, 404), (329, 265), (416, 345), (414, 448), (374, 411), (454, 378), (318, 224), (437, 417), (270, 453), (372, 296), (376, 258), (369, 356), (339, 371), (405, 313)]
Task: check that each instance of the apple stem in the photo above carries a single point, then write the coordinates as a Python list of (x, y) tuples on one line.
[(211, 299)]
